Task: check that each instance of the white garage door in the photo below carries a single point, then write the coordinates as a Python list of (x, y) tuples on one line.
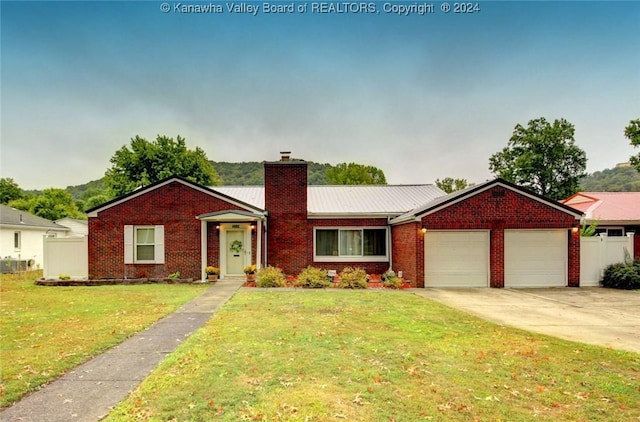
[(456, 259), (535, 258)]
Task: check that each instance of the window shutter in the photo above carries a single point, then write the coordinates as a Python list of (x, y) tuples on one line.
[(159, 245), (128, 244)]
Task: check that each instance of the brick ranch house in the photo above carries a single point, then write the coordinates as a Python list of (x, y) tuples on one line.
[(494, 234)]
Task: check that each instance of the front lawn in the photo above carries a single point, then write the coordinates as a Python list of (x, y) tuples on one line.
[(378, 356), (45, 331)]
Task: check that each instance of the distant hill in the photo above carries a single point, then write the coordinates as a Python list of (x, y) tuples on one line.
[(252, 173), (232, 174), (621, 178)]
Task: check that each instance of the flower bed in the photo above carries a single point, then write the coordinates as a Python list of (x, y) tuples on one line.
[(374, 282)]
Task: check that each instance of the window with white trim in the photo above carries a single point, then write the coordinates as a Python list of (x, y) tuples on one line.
[(17, 240), (611, 231), (367, 244), (144, 244)]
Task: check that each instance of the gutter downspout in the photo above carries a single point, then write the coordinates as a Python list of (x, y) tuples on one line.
[(390, 243), (266, 264)]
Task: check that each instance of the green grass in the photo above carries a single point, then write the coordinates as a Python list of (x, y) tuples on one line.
[(45, 331), (378, 356)]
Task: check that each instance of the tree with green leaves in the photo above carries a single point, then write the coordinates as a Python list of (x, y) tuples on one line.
[(147, 162), (9, 190), (542, 157), (52, 204), (355, 174), (632, 133), (449, 184)]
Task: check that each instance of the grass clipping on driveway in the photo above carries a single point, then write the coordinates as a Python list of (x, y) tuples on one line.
[(45, 331), (378, 356)]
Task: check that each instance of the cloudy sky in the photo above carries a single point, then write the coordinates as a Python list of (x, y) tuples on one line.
[(419, 96)]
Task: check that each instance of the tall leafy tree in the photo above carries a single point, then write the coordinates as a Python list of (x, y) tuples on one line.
[(632, 133), (543, 157), (355, 174), (449, 184), (9, 190), (52, 204), (145, 162)]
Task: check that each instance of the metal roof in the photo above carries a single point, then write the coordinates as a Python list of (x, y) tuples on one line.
[(388, 200), (19, 218), (606, 207)]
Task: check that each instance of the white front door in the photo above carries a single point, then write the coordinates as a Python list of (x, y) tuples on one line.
[(235, 252)]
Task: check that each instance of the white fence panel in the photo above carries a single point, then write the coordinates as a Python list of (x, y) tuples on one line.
[(599, 251), (66, 255)]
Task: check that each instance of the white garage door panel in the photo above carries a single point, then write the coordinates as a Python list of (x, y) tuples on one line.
[(456, 259), (535, 258)]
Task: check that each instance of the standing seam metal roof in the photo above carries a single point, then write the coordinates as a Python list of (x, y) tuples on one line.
[(358, 199)]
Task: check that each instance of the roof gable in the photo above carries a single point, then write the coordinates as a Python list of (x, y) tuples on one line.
[(93, 212), (608, 207), (461, 195)]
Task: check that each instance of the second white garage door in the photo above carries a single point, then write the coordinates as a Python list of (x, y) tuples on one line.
[(456, 259), (535, 258)]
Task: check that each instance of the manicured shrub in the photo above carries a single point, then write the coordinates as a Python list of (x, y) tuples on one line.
[(353, 278), (312, 277), (392, 282), (622, 276), (270, 277)]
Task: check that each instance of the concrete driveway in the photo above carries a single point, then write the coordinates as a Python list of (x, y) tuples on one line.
[(593, 315)]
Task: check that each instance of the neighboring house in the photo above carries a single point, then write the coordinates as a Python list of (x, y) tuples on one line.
[(615, 213), (492, 234), (77, 228), (21, 237)]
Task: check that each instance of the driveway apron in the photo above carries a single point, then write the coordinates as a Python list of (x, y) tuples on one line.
[(89, 391), (593, 315)]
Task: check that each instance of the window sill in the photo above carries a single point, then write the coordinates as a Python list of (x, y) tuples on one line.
[(351, 258)]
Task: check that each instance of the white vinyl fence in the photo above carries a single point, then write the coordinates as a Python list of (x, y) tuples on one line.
[(66, 255), (599, 251)]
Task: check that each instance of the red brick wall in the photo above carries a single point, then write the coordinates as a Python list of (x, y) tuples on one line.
[(497, 209), (574, 259), (407, 242), (369, 267), (213, 245), (285, 193), (175, 206), (496, 254)]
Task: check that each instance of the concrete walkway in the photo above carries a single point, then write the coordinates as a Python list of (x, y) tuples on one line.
[(88, 392), (593, 315)]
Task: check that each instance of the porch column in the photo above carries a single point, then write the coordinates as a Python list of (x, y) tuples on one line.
[(203, 248), (259, 244)]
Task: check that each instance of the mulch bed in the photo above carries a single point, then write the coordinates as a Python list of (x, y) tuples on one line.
[(370, 285), (113, 281)]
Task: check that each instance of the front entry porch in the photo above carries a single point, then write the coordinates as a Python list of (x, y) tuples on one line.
[(231, 240)]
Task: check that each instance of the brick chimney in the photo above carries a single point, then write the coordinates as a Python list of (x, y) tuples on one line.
[(285, 191)]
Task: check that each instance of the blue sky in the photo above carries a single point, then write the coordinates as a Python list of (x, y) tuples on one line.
[(421, 97)]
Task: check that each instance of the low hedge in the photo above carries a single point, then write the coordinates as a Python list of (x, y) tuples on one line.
[(270, 277), (622, 276), (313, 278)]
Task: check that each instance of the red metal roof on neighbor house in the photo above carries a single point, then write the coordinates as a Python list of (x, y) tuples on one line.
[(620, 207)]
